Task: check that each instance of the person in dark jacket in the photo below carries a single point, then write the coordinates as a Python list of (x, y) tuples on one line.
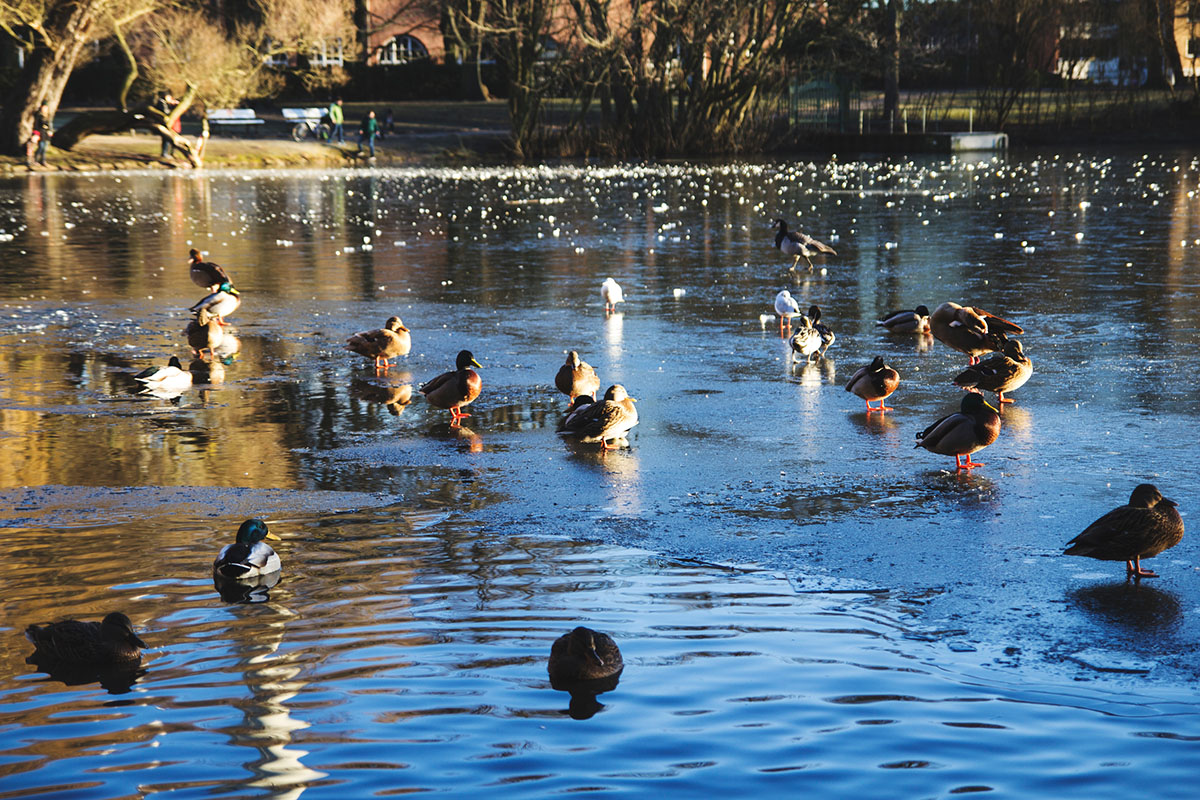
[(367, 132), (43, 129)]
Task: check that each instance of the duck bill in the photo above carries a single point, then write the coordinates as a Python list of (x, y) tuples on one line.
[(595, 656), (272, 537), (475, 363), (992, 407), (135, 639)]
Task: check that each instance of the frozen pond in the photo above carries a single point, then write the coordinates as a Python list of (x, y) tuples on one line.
[(804, 601)]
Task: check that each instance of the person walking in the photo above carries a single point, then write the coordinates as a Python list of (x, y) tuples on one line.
[(368, 132), (43, 131), (336, 119)]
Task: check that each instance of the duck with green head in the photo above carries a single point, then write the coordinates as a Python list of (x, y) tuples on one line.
[(206, 274), (249, 556), (453, 390), (221, 303)]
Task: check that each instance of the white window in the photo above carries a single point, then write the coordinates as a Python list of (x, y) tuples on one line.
[(327, 54), (275, 56), (401, 50)]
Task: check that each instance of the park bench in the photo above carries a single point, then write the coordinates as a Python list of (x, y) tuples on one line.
[(228, 117), (306, 122)]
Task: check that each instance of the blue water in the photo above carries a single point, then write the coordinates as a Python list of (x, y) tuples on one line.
[(803, 601)]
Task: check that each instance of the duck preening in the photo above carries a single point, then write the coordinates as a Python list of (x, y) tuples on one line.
[(798, 244), (876, 381), (602, 422), (221, 303), (1143, 528), (970, 429), (73, 645), (970, 329), (453, 390), (583, 655), (823, 330), (576, 377), (915, 321), (805, 341), (249, 556), (1002, 372), (382, 344)]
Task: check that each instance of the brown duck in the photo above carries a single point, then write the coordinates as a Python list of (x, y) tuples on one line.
[(611, 418), (969, 329), (576, 377), (204, 332), (584, 655), (206, 274), (1005, 371), (453, 390), (875, 381), (75, 645), (970, 429), (1144, 528), (382, 344)]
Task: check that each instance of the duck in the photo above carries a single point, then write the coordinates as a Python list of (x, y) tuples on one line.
[(798, 244), (786, 307), (576, 377), (204, 332), (382, 344), (206, 274), (876, 381), (578, 404), (221, 303), (1148, 525), (611, 294), (74, 645), (915, 321), (602, 422), (970, 429), (453, 390), (1005, 371), (249, 556), (171, 378), (806, 341), (823, 330), (583, 655), (969, 329)]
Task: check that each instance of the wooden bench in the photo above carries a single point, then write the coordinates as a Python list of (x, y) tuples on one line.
[(227, 117)]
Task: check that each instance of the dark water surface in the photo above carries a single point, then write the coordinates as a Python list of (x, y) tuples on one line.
[(803, 600)]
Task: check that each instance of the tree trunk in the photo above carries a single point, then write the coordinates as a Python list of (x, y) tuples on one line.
[(69, 24), (146, 118), (891, 71)]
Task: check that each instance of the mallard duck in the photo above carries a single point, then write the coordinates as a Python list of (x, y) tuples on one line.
[(171, 378), (206, 274), (583, 655), (576, 377), (797, 244), (74, 645), (611, 418), (823, 330), (611, 294), (382, 344), (969, 329), (1144, 528), (581, 402), (204, 333), (806, 341), (249, 556), (786, 307), (875, 381), (453, 390), (1003, 372), (221, 303), (915, 321), (966, 431)]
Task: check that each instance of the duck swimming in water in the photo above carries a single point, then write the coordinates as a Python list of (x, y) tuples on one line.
[(915, 321), (249, 556), (583, 655), (73, 645)]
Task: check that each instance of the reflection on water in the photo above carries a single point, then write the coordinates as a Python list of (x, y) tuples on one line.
[(429, 566)]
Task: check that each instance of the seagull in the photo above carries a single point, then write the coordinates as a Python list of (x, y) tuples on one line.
[(795, 243), (786, 307), (610, 292)]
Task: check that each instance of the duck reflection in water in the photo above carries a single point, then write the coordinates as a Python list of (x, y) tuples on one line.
[(246, 590), (1133, 605), (394, 395), (584, 663)]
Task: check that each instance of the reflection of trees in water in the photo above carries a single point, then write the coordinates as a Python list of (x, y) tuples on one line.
[(1130, 604)]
